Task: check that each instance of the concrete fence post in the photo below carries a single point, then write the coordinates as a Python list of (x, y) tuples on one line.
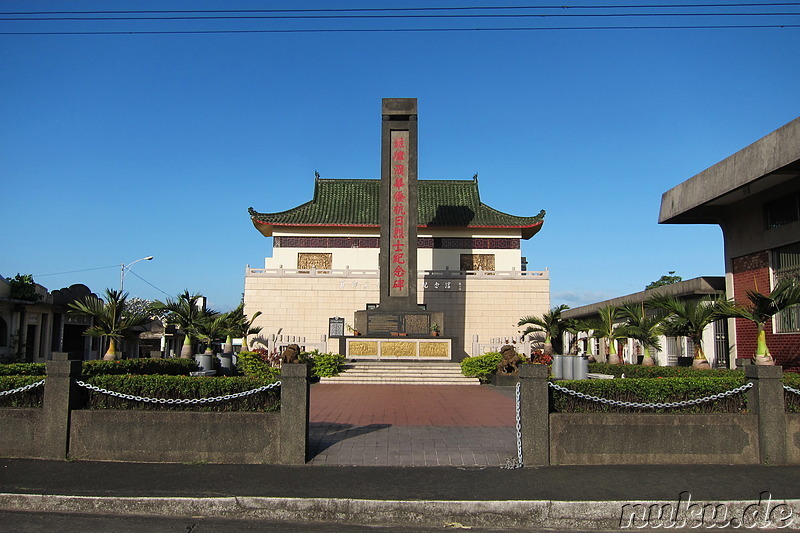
[(765, 399), (295, 394), (61, 396), (535, 414)]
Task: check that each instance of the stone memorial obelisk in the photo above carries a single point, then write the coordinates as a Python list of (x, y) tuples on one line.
[(398, 312)]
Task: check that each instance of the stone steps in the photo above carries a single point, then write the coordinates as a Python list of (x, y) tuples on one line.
[(402, 373)]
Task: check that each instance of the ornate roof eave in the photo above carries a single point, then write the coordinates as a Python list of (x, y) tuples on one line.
[(267, 229)]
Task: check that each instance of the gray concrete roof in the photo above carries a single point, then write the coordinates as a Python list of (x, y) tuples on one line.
[(767, 162), (696, 287)]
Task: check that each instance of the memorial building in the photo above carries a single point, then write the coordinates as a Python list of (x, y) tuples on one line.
[(470, 282)]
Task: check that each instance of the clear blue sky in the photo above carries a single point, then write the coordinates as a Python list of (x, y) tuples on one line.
[(115, 147)]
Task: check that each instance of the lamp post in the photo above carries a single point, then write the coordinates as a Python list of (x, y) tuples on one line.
[(123, 268)]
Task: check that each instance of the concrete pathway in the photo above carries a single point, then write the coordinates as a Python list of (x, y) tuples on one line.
[(411, 425)]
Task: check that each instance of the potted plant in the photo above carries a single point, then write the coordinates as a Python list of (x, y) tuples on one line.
[(435, 330), (761, 310), (352, 330)]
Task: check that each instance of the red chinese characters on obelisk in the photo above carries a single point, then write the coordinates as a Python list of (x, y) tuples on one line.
[(399, 220)]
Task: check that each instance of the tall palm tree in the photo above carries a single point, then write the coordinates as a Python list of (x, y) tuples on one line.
[(241, 326), (690, 319), (212, 329), (644, 328), (187, 313), (550, 323), (111, 318), (763, 307), (608, 329)]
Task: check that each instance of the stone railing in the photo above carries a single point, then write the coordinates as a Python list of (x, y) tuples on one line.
[(373, 273)]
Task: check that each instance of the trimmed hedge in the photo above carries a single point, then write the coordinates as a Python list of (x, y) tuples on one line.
[(639, 371), (29, 398), (169, 367), (176, 387), (663, 390), (22, 369), (324, 365), (481, 366), (256, 365)]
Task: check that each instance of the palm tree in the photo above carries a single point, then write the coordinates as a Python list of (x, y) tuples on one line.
[(111, 317), (187, 313), (608, 329), (212, 329), (763, 307), (240, 326), (643, 328), (690, 319), (550, 323)]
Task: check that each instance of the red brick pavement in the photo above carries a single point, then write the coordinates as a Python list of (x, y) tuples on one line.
[(411, 405)]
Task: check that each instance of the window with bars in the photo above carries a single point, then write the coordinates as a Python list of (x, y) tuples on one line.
[(786, 265), (782, 211)]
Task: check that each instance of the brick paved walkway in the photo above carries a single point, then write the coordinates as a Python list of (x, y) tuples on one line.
[(411, 425)]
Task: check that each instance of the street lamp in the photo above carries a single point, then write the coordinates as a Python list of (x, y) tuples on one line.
[(123, 268)]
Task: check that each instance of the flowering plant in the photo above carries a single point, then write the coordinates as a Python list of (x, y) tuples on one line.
[(538, 357)]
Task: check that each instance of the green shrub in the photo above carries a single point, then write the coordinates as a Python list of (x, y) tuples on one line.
[(792, 400), (324, 365), (160, 386), (657, 390), (170, 367), (481, 366), (30, 398), (255, 365), (639, 371), (22, 369)]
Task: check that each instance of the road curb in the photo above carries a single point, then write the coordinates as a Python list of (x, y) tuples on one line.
[(558, 515)]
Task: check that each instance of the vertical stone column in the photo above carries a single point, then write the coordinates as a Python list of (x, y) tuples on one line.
[(766, 400), (61, 396), (295, 395), (535, 414)]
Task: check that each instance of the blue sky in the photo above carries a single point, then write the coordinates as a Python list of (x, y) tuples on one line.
[(115, 147)]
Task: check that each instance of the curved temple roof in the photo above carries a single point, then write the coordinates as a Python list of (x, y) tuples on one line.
[(354, 203)]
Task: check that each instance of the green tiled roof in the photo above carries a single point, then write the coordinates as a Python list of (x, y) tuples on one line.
[(354, 203)]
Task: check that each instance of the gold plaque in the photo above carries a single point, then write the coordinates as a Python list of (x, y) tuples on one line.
[(398, 349), (434, 349), (363, 348)]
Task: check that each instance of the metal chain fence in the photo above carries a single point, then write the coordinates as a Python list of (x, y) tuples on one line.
[(652, 405), (22, 389), (790, 389), (180, 401)]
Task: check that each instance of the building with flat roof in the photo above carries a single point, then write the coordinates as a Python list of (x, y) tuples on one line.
[(754, 196)]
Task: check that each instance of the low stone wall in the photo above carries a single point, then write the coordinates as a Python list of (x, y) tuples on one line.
[(793, 437), (19, 432), (611, 438), (62, 429), (174, 436), (766, 434)]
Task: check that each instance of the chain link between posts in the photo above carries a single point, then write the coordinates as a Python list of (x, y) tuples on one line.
[(22, 389), (180, 401), (652, 405), (790, 389)]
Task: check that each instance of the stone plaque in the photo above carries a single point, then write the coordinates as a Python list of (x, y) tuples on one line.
[(383, 323), (398, 349), (435, 349), (336, 327), (363, 348), (417, 324)]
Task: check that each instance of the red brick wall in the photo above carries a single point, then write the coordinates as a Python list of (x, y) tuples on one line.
[(751, 272)]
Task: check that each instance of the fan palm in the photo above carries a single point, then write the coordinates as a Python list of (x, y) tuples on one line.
[(644, 328), (607, 328), (111, 317), (188, 314), (690, 319), (550, 323), (763, 307)]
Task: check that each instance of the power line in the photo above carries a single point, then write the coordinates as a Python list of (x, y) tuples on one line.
[(74, 271), (408, 30), (413, 9), (373, 17), (141, 278)]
